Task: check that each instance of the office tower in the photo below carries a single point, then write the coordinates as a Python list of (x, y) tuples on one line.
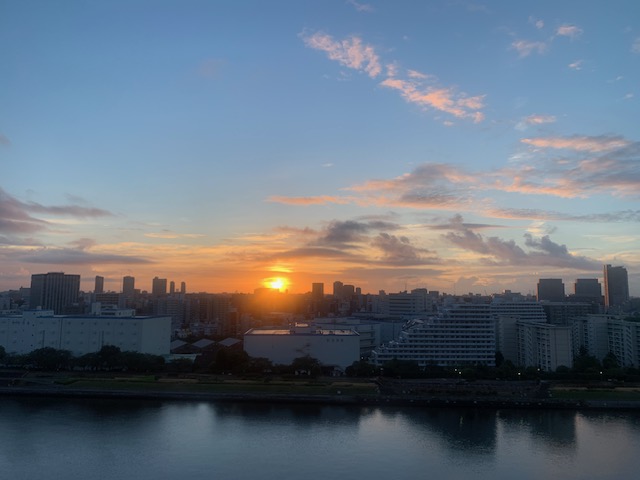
[(54, 291), (99, 288), (159, 286), (337, 289), (616, 286), (588, 288), (317, 291), (551, 290), (128, 286), (172, 287), (183, 287)]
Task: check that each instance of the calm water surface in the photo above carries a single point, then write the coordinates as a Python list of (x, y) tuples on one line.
[(106, 439)]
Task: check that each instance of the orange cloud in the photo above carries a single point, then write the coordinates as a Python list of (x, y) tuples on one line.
[(350, 52), (443, 99), (579, 143), (314, 200)]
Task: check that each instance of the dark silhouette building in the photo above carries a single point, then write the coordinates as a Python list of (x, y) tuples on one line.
[(99, 288), (616, 286), (54, 291), (551, 290)]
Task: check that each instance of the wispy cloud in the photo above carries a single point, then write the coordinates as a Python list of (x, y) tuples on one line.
[(350, 52), (579, 143), (635, 46), (415, 87), (568, 30), (533, 120), (360, 7), (312, 200), (539, 24), (72, 256), (526, 47), (446, 100), (536, 214), (577, 65), (4, 140)]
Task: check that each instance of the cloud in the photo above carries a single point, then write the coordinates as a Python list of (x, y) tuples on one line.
[(399, 251), (539, 24), (351, 52), (456, 223), (350, 232), (539, 119), (360, 7), (534, 214), (542, 251), (71, 256), (438, 98), (72, 210), (570, 31), (535, 120), (210, 68), (415, 87), (14, 216), (577, 65), (635, 46), (579, 143), (312, 200), (4, 140), (526, 48)]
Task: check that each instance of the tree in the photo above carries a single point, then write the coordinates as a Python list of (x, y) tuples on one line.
[(610, 361), (361, 368), (307, 364), (49, 358), (110, 357)]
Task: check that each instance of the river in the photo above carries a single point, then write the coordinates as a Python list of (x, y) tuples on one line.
[(92, 439)]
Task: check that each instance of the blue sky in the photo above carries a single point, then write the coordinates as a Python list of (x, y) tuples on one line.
[(453, 145)]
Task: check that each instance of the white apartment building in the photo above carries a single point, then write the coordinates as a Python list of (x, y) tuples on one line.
[(463, 334), (338, 347), (545, 346), (80, 334), (507, 315)]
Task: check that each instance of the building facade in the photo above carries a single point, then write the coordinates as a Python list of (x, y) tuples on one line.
[(332, 347), (34, 329), (54, 291), (463, 334), (616, 286)]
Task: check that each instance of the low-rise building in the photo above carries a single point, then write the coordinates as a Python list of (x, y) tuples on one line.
[(81, 334), (337, 347)]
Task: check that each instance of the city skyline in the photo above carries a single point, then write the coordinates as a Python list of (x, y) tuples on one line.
[(457, 146)]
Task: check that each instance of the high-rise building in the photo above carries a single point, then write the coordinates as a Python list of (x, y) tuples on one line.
[(551, 290), (616, 286), (128, 286), (54, 291), (99, 288), (172, 287), (317, 291), (183, 288), (588, 288), (159, 286)]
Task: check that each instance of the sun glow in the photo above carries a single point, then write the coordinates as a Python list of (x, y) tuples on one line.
[(276, 283)]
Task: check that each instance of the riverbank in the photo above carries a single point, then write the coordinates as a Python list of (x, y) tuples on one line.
[(364, 392)]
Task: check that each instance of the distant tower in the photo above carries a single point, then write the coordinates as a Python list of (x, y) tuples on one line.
[(183, 288), (616, 286), (54, 291), (588, 288), (551, 290), (159, 286), (128, 286), (172, 287), (337, 289), (317, 291), (99, 288)]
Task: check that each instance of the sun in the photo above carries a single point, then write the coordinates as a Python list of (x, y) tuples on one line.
[(277, 283)]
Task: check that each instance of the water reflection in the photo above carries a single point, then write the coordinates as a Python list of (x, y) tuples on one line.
[(553, 428)]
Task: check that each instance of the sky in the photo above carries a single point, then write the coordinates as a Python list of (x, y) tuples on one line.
[(461, 146)]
